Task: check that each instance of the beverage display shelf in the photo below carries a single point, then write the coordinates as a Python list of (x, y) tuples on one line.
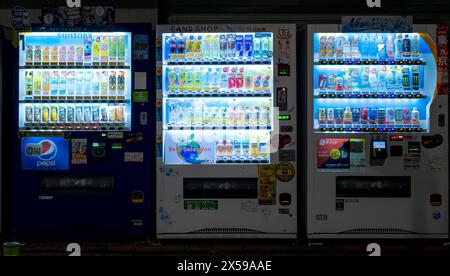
[(221, 127), (72, 127), (217, 94), (73, 67), (370, 62), (236, 160), (371, 129), (347, 95), (219, 62), (74, 100)]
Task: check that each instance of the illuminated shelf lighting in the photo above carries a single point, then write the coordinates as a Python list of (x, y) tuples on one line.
[(191, 94), (380, 128), (60, 66), (219, 62), (228, 128), (74, 100), (350, 95), (370, 62)]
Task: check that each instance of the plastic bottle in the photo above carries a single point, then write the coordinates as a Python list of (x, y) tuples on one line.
[(340, 47), (355, 47), (399, 47), (232, 79), (365, 78), (330, 46), (206, 47), (224, 79), (406, 46), (415, 46), (382, 78), (390, 51), (415, 118), (373, 79), (181, 46), (390, 82), (363, 45), (172, 41), (189, 47), (172, 80), (373, 50), (381, 48), (215, 47), (398, 78), (231, 40), (347, 48), (223, 47), (240, 78)]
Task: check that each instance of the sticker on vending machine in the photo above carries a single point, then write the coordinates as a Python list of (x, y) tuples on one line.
[(285, 172), (357, 153), (79, 154), (267, 184), (333, 153)]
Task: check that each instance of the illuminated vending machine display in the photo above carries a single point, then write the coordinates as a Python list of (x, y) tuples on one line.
[(374, 110), (84, 158), (217, 94), (74, 82)]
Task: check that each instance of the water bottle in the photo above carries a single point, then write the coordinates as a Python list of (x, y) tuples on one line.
[(223, 47)]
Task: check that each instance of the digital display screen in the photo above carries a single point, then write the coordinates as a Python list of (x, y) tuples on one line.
[(379, 144)]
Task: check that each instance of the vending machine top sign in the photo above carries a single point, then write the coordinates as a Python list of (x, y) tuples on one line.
[(70, 81), (217, 97), (373, 82)]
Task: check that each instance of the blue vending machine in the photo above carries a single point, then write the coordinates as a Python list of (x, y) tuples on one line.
[(82, 132)]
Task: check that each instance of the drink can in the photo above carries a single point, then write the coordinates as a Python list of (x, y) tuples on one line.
[(79, 114), (330, 115), (406, 115), (70, 114), (381, 116), (398, 115), (322, 116), (54, 114), (95, 114), (364, 115), (62, 114), (87, 114), (37, 114), (373, 115), (390, 117), (45, 114), (28, 114), (339, 116), (112, 114), (104, 114), (356, 115), (120, 114)]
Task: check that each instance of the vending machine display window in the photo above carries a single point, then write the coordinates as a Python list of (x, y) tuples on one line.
[(373, 82), (217, 98), (74, 81)]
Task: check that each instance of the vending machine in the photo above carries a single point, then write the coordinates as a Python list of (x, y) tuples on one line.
[(226, 132), (82, 133), (377, 129)]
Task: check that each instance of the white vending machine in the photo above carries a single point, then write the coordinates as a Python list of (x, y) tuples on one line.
[(226, 131), (377, 129)]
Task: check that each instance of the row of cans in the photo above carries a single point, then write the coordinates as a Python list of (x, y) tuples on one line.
[(70, 114), (373, 115)]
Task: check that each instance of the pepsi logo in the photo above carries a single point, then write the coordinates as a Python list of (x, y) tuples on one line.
[(48, 150)]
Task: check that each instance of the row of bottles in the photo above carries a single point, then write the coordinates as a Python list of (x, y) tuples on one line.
[(373, 78), (64, 114), (203, 115), (372, 115), (75, 83), (369, 46), (214, 79), (243, 146), (96, 50), (219, 46)]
